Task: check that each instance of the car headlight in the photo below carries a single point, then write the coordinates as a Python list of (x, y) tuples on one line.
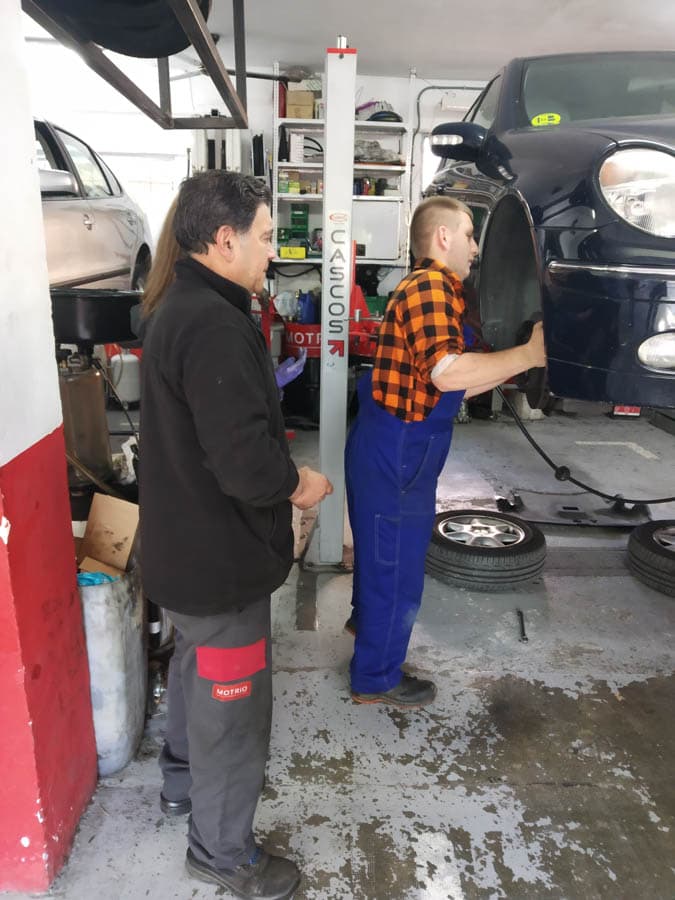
[(639, 185), (658, 351)]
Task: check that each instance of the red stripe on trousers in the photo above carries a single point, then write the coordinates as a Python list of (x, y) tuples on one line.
[(230, 663)]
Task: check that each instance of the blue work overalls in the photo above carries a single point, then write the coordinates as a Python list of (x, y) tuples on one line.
[(392, 469)]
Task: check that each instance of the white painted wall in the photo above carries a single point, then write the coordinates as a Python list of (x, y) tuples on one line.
[(29, 398)]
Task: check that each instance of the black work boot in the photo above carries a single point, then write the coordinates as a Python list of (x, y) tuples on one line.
[(184, 806), (266, 877), (175, 807), (410, 693)]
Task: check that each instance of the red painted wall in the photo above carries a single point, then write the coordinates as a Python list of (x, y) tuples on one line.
[(47, 749)]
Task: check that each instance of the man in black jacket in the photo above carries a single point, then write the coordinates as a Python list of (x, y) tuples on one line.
[(216, 487)]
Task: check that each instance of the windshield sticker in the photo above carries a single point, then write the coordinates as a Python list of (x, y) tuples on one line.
[(546, 119)]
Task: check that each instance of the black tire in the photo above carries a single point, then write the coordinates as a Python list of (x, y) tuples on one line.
[(141, 271), (140, 28), (651, 555), (485, 550)]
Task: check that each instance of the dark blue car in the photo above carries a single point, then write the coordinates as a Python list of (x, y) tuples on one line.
[(568, 163)]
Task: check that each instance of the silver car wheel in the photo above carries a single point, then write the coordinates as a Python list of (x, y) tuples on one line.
[(481, 531), (485, 550), (665, 537)]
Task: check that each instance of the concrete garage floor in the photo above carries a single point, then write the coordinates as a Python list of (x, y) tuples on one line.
[(543, 770)]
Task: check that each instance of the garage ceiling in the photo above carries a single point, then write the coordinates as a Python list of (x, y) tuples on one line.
[(442, 38)]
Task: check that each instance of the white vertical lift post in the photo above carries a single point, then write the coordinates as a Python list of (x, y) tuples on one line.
[(326, 544)]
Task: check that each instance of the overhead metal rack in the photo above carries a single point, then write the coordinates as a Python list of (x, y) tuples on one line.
[(64, 29)]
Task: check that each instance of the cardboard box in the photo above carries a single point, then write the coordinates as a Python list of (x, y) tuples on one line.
[(300, 105), (94, 565), (312, 84), (109, 536)]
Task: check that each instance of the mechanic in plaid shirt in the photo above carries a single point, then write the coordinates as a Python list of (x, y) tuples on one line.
[(400, 439)]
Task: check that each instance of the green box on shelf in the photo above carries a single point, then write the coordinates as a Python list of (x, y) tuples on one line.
[(299, 215), (377, 305)]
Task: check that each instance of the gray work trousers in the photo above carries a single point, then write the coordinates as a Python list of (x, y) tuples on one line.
[(219, 700)]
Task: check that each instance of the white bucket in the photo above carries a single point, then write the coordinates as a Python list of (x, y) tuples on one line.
[(114, 628)]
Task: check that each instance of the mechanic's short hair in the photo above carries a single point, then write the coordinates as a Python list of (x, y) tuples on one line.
[(208, 200), (427, 216)]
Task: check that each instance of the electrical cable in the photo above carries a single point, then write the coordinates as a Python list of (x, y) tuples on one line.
[(562, 473), (97, 363), (290, 262), (308, 139), (91, 476)]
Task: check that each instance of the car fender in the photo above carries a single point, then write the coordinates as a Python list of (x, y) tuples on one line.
[(555, 170)]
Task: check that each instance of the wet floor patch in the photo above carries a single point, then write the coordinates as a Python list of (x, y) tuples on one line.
[(517, 791)]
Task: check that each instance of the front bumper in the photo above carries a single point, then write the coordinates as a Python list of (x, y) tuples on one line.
[(596, 318)]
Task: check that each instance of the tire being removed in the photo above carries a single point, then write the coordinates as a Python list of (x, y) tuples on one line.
[(485, 550)]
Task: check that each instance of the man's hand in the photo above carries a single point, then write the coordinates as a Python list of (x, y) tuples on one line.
[(478, 372), (535, 347), (311, 489)]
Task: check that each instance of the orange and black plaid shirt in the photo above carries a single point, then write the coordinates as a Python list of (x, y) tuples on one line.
[(422, 324)]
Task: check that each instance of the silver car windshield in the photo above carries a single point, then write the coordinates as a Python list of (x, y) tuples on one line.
[(605, 86)]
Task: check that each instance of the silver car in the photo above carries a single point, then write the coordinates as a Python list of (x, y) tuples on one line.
[(96, 235)]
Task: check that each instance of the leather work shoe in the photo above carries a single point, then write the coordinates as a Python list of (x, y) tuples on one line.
[(183, 807), (410, 692), (350, 627), (175, 807), (266, 877)]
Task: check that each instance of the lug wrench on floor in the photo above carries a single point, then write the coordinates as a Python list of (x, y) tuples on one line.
[(521, 623)]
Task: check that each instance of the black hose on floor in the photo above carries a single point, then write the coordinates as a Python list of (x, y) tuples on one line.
[(562, 473)]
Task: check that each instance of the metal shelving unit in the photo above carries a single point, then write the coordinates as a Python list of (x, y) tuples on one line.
[(399, 172)]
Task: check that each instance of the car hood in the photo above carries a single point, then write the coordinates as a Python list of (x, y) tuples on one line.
[(555, 169), (650, 129)]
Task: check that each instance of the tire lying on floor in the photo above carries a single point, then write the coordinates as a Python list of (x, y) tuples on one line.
[(485, 550), (651, 554)]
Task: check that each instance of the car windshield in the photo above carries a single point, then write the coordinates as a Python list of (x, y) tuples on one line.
[(605, 86)]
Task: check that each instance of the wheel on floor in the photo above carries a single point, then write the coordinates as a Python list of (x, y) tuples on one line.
[(485, 550), (651, 554)]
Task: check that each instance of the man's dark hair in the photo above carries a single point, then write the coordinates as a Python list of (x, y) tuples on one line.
[(214, 198)]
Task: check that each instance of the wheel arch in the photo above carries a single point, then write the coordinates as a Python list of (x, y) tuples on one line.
[(141, 266), (511, 275)]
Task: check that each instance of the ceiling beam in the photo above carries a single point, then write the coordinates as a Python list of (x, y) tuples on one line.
[(192, 21)]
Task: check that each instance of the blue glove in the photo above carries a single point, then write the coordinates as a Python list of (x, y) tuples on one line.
[(290, 369)]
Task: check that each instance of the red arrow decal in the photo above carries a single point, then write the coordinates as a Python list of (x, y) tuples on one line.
[(337, 347)]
